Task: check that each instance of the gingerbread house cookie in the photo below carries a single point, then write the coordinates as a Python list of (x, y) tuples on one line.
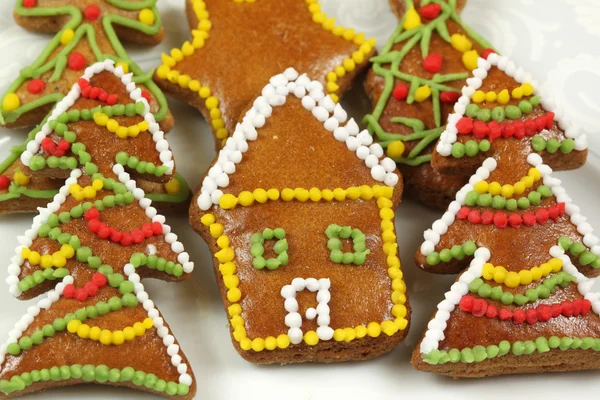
[(298, 210), (260, 38)]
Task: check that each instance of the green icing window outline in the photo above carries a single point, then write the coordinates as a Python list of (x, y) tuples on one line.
[(257, 249), (422, 36), (335, 234)]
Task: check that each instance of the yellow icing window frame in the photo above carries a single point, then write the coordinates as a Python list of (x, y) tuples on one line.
[(167, 70), (227, 267)]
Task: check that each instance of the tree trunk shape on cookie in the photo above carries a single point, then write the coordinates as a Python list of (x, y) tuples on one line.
[(104, 119), (525, 301), (306, 258), (413, 84)]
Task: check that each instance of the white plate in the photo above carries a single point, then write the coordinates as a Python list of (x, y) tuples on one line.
[(551, 42)]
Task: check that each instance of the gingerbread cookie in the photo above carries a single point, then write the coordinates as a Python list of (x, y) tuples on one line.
[(88, 250), (104, 119), (260, 38), (86, 32), (414, 84), (525, 302), (306, 258)]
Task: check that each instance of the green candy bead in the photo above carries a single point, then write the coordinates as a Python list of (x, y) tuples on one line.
[(534, 198), (129, 300), (518, 348), (484, 115), (544, 190), (48, 330), (507, 298), (267, 233), (348, 258), (475, 285), (587, 258), (454, 355), (115, 280), (122, 158), (59, 325), (81, 314), (471, 198), (101, 373), (479, 353), (91, 312), (13, 349), (83, 253), (345, 232), (458, 150), (182, 389), (88, 373), (485, 291), (471, 148), (127, 374), (102, 308), (360, 258), (457, 252), (114, 375), (567, 146), (525, 107), (106, 270), (279, 233), (534, 100), (577, 248), (273, 263), (471, 110), (519, 299), (485, 200), (523, 203), (114, 303), (160, 385), (336, 256), (469, 248), (171, 388), (445, 255), (504, 347), (466, 356), (511, 204), (45, 374), (529, 347), (150, 381), (498, 202), (552, 145), (485, 145), (538, 143), (433, 258), (126, 287), (513, 112), (138, 378), (65, 372), (280, 246), (498, 114), (334, 244)]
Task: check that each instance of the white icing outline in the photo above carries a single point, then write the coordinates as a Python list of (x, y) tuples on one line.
[(129, 270), (293, 319), (435, 329), (322, 107), (135, 93), (504, 64)]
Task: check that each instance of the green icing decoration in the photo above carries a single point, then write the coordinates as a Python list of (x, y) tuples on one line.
[(458, 252), (474, 199), (579, 250), (336, 233), (257, 249), (387, 66), (539, 144)]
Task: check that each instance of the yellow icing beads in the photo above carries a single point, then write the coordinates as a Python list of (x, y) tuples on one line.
[(107, 337), (173, 186), (88, 192), (67, 36), (58, 259), (20, 178), (504, 96), (348, 64), (123, 65), (146, 16), (513, 279), (469, 59), (227, 268), (461, 42), (412, 19), (395, 149), (11, 102), (507, 190), (122, 132), (422, 93)]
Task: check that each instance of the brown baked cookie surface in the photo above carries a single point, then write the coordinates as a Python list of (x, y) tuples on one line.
[(525, 302), (85, 32), (413, 85), (97, 124), (306, 258), (260, 39), (88, 250)]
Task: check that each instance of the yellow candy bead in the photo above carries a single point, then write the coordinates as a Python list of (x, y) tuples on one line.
[(227, 268), (246, 198), (311, 338), (460, 42), (97, 184), (106, 337), (73, 325), (129, 333), (469, 59), (507, 191), (234, 295), (481, 187), (258, 344), (494, 188), (34, 258), (536, 273), (11, 102), (527, 89), (89, 192), (204, 92), (234, 309), (208, 219), (526, 277), (212, 102), (246, 344), (287, 194), (412, 19), (395, 149), (146, 16), (478, 96), (58, 260), (25, 252), (517, 93), (556, 264), (399, 310), (118, 338), (67, 36), (173, 186), (519, 188), (503, 97), (301, 194), (327, 194), (491, 97), (422, 93), (148, 323), (112, 125), (231, 281), (95, 333), (535, 174), (389, 327), (283, 341), (123, 65), (223, 241), (139, 329), (512, 279), (373, 329), (46, 261), (360, 331), (349, 334), (339, 335), (500, 275), (488, 271), (314, 194), (20, 178), (228, 201), (83, 331)]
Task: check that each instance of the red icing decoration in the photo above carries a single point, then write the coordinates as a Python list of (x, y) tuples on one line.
[(515, 220), (486, 53), (76, 61), (517, 129), (90, 289), (400, 91), (449, 97), (542, 313), (433, 63), (91, 92), (35, 86), (147, 96), (54, 149), (430, 11), (92, 12), (4, 182), (114, 235), (29, 3)]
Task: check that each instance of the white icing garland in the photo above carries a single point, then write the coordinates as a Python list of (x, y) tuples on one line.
[(293, 319), (503, 63), (135, 93), (322, 107), (52, 296), (436, 327)]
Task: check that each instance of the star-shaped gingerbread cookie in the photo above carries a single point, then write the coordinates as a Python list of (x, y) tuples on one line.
[(237, 45)]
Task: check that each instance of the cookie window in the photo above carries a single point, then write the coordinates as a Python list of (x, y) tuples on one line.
[(280, 247), (336, 234)]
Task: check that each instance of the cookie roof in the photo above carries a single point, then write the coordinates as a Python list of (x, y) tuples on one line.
[(332, 116), (135, 93)]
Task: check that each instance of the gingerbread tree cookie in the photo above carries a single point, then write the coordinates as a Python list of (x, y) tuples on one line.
[(258, 38), (86, 32), (97, 239), (525, 302), (306, 258), (104, 119), (414, 83)]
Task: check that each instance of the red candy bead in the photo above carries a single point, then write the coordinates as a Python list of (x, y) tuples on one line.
[(519, 316), (515, 220), (76, 61), (480, 129), (449, 97), (69, 291), (99, 279), (400, 91), (542, 216), (115, 236), (430, 11), (529, 219), (92, 12), (495, 130), (92, 213), (544, 313), (111, 99), (64, 145), (466, 303), (531, 316), (480, 307), (492, 311), (81, 294), (83, 83), (474, 217), (504, 314), (29, 3), (35, 86), (4, 182), (500, 220), (463, 213), (433, 63), (91, 288), (549, 120), (487, 217), (567, 309), (147, 96), (486, 53), (464, 125)]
